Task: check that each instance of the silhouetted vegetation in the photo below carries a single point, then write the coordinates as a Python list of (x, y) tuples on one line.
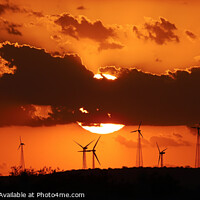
[(124, 184), (17, 171)]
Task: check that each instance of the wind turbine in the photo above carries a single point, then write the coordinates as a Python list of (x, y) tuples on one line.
[(22, 162), (84, 153), (197, 158), (139, 160), (94, 155), (160, 155)]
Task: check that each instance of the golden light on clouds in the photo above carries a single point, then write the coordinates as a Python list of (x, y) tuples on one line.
[(42, 112), (5, 67)]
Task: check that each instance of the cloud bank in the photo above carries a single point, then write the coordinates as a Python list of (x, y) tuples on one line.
[(64, 84), (163, 141), (191, 35), (9, 27), (80, 27), (14, 8), (160, 32)]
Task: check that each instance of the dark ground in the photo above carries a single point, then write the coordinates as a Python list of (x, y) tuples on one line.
[(123, 184)]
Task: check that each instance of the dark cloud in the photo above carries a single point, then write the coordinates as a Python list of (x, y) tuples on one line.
[(35, 13), (190, 35), (10, 27), (107, 45), (167, 142), (9, 7), (66, 85), (158, 31), (41, 79), (138, 33), (81, 8), (84, 28), (166, 99), (158, 60)]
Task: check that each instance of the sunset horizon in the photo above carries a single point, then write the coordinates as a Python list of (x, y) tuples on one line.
[(91, 84)]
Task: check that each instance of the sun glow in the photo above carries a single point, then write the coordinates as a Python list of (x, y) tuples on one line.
[(102, 128), (108, 76)]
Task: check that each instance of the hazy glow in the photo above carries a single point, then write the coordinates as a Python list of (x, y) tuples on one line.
[(108, 76), (102, 128)]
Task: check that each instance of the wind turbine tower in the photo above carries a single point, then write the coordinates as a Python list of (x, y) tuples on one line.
[(139, 159), (94, 155), (161, 153), (22, 162), (197, 157), (84, 153)]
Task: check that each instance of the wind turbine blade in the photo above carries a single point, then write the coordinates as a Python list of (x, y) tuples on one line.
[(134, 131), (20, 139), (18, 147), (89, 143), (96, 157), (140, 133), (164, 150), (96, 143), (78, 144), (158, 147), (139, 125)]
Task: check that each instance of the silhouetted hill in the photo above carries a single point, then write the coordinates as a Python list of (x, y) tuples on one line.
[(123, 184)]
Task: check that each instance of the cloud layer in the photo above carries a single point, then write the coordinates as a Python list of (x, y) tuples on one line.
[(14, 8), (8, 7), (191, 35), (66, 85), (163, 141), (158, 31), (10, 27), (83, 28)]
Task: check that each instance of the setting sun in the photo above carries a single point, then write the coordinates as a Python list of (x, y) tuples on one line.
[(102, 128), (108, 76)]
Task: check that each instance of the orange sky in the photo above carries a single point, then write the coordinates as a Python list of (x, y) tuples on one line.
[(150, 35), (121, 16), (54, 146)]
